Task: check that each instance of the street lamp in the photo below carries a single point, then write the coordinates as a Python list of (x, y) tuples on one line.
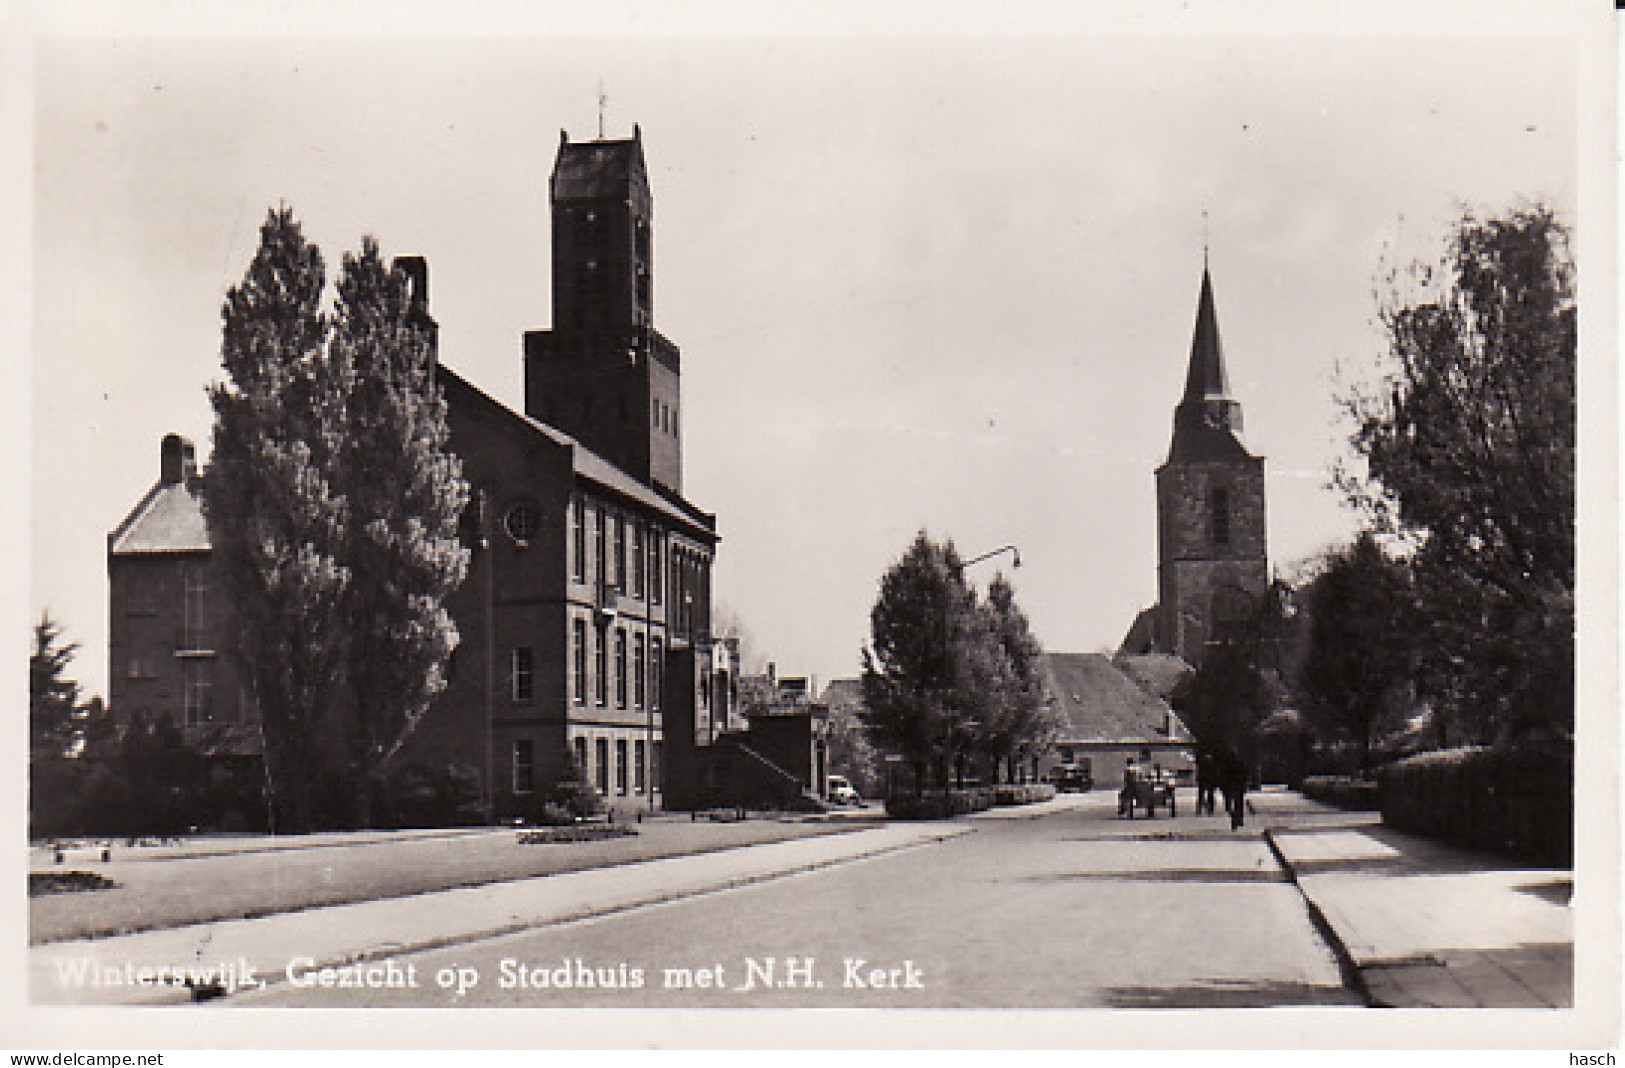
[(1015, 557)]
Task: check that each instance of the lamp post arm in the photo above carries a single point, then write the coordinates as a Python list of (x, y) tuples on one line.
[(1011, 549)]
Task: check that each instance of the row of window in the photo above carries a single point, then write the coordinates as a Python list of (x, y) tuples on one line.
[(637, 676), (627, 554), (634, 767), (662, 416)]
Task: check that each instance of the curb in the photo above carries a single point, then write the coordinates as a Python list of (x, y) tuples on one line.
[(1353, 976)]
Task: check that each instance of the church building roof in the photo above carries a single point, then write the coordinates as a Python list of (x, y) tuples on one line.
[(1097, 702)]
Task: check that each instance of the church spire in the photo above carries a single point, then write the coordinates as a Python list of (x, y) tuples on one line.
[(1207, 422), (1206, 379)]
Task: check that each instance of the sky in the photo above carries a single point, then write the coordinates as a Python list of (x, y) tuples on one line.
[(925, 274)]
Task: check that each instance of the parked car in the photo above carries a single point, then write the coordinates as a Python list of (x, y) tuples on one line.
[(840, 791), (1069, 777)]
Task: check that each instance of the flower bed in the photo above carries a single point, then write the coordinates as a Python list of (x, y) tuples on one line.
[(66, 882), (581, 832), (1519, 802)]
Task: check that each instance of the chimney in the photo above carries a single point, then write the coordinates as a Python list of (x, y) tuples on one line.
[(416, 269), (177, 462)]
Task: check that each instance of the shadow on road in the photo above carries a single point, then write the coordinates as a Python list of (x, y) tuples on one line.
[(1228, 994), (1169, 875)]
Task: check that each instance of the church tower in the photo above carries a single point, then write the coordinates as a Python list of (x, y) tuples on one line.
[(603, 374), (1212, 568)]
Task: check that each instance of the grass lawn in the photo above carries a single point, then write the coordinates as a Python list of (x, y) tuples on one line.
[(159, 887)]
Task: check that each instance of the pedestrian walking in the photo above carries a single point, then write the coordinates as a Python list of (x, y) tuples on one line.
[(1233, 785), (1207, 781)]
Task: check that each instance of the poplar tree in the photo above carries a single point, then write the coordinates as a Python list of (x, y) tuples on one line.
[(276, 520), (405, 494)]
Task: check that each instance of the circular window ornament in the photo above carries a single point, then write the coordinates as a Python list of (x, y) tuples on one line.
[(523, 522)]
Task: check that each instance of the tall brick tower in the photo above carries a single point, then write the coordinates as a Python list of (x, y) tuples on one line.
[(1212, 568), (603, 374)]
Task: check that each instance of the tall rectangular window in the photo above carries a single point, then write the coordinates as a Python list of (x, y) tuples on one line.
[(601, 666), (620, 667), (638, 561), (195, 608), (524, 765), (639, 667), (620, 552), (600, 550), (621, 780), (656, 580), (600, 752), (654, 767), (522, 673), (578, 538), (578, 643), (657, 671), (638, 769), (581, 759), (1220, 503), (197, 682)]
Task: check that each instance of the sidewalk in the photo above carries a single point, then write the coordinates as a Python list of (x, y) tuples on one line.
[(247, 954), (1418, 923)]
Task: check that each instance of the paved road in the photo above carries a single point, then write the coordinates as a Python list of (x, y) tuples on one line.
[(1073, 909)]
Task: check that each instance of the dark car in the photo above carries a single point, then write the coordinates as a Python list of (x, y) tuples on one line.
[(1068, 777)]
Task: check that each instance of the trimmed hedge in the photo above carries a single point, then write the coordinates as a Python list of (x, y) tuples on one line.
[(938, 805), (1518, 802), (1344, 791), (1022, 793), (945, 804)]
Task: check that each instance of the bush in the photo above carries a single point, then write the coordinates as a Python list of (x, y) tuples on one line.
[(1344, 791), (1518, 802), (1023, 793), (940, 804)]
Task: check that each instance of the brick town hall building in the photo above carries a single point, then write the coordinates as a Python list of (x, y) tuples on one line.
[(585, 617)]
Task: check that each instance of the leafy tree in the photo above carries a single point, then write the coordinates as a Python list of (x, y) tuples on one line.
[(851, 752), (276, 519), (1020, 719), (1355, 679), (404, 495), (53, 698), (1469, 450), (950, 681), (1242, 679), (922, 676)]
